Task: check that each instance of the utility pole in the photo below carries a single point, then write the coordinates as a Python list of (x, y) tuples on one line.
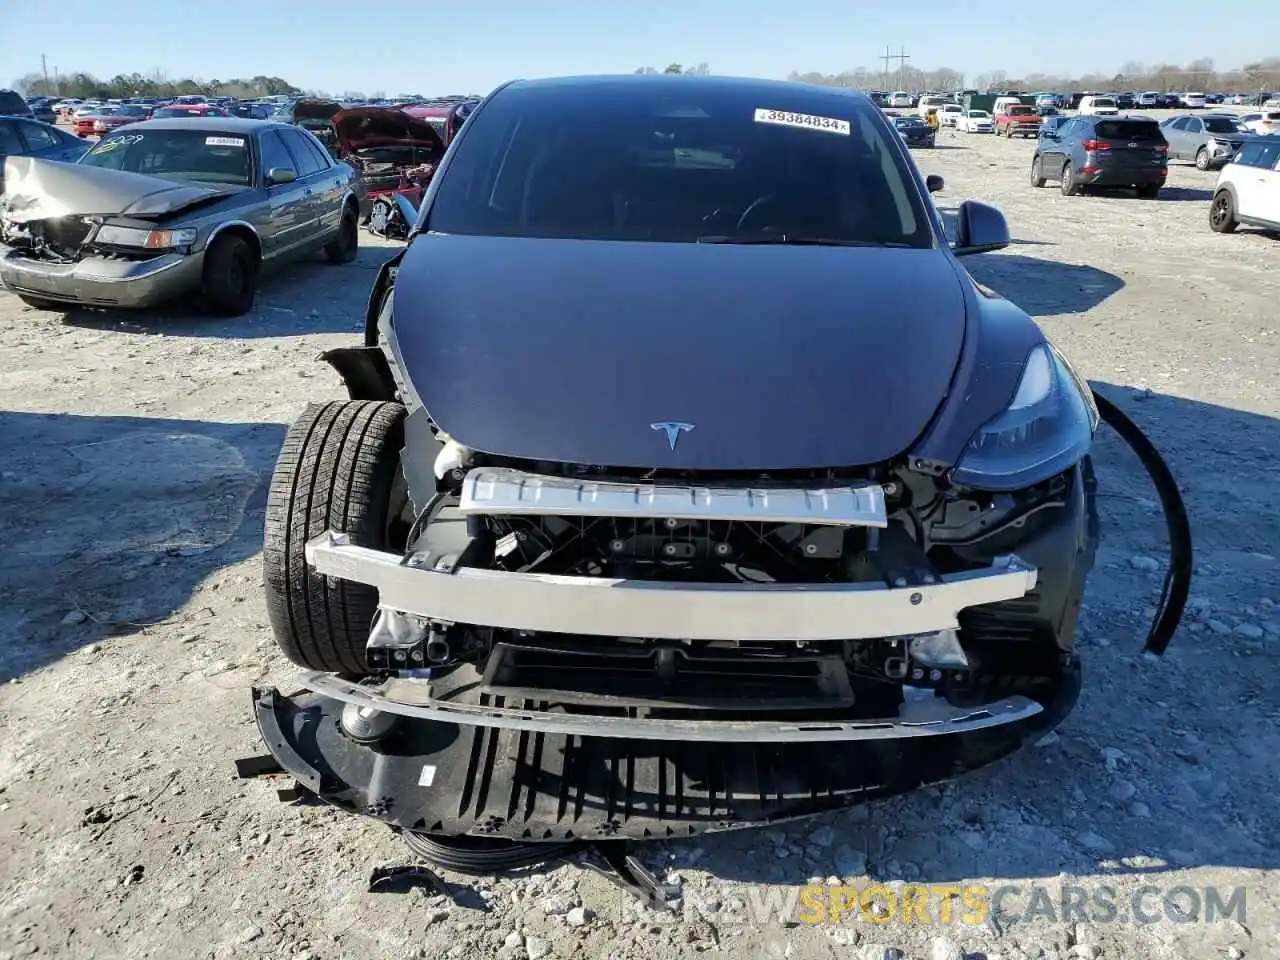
[(901, 56), (44, 69)]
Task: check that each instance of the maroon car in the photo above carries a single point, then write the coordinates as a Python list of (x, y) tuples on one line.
[(393, 153)]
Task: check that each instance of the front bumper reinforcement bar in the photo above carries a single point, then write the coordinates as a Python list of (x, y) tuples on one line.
[(602, 606)]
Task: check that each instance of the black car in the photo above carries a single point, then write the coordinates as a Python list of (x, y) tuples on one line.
[(632, 570), (1126, 101), (914, 131), (1103, 152), (42, 110)]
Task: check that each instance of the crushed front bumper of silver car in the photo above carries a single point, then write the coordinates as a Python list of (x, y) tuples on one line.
[(101, 281)]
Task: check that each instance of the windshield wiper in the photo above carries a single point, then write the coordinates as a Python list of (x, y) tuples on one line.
[(786, 238)]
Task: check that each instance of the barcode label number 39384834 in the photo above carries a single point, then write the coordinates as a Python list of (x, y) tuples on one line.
[(784, 119)]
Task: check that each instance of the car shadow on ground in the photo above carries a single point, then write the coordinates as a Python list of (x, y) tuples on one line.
[(275, 312), (1150, 773), (1186, 193), (110, 523), (1043, 287)]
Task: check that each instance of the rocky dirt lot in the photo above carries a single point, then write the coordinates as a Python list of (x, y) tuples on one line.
[(134, 456)]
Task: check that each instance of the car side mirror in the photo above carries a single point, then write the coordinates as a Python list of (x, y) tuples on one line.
[(934, 183), (279, 175), (979, 229)]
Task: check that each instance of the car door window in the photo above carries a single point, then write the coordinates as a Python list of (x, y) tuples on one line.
[(38, 136), (1194, 126), (321, 154), (274, 154), (305, 160), (10, 145)]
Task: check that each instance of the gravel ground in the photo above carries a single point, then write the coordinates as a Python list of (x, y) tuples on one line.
[(136, 453)]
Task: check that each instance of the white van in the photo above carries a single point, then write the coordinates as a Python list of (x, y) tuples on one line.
[(1002, 102), (930, 103), (1099, 107)]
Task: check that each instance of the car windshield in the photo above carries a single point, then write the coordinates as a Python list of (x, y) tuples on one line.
[(1103, 102), (1221, 125), (683, 163), (203, 156)]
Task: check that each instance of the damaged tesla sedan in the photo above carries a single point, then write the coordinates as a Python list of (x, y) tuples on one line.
[(678, 422), (169, 207)]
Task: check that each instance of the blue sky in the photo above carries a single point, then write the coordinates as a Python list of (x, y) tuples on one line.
[(427, 47)]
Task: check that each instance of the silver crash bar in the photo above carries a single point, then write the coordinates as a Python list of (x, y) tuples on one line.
[(915, 719), (601, 606), (499, 491)]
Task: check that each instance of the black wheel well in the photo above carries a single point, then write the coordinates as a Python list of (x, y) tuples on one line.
[(244, 233)]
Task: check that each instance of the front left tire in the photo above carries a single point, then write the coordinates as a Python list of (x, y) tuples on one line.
[(337, 470), (230, 278)]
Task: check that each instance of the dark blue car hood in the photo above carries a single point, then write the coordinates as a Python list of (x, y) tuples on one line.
[(780, 357)]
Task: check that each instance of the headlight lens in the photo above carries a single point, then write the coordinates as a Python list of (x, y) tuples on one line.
[(1047, 426), (145, 239)]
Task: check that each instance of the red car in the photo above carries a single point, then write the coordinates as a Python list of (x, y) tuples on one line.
[(118, 117), (393, 153), (1018, 118), (447, 118)]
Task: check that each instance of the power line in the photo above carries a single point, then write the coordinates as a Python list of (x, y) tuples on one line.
[(901, 56)]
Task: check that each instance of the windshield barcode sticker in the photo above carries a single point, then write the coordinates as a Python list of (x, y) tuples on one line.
[(223, 142), (802, 120)]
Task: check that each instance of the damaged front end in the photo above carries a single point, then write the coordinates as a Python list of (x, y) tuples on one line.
[(98, 237), (558, 647)]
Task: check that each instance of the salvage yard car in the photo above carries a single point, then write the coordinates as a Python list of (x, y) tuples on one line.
[(1210, 140), (392, 152), (1018, 119), (914, 131), (30, 138), (1102, 151), (169, 207), (757, 557), (1248, 189)]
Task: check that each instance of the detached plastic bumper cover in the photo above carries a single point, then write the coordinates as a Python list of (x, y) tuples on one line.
[(599, 606)]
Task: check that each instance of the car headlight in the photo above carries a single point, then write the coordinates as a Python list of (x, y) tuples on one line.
[(1047, 427), (145, 239)]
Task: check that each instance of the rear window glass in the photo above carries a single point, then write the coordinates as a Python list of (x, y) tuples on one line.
[(1129, 130), (1103, 102), (654, 165)]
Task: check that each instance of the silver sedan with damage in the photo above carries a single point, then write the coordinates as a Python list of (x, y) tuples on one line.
[(166, 208)]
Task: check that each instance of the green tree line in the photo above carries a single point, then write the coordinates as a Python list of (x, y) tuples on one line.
[(155, 84)]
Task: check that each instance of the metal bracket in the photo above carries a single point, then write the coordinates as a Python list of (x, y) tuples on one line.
[(630, 874)]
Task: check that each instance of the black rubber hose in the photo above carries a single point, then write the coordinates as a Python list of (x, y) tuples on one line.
[(485, 856), (1177, 582)]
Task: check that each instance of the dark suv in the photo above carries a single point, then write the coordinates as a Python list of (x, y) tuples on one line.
[(1103, 152), (12, 105)]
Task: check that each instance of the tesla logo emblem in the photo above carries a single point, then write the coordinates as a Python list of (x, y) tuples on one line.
[(672, 429)]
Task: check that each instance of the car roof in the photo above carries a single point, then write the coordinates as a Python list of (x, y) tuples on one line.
[(241, 125), (674, 82)]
